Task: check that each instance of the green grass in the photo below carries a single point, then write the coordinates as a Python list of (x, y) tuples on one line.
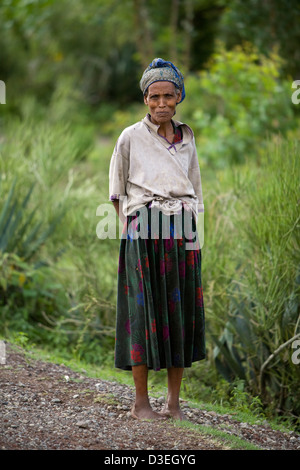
[(230, 441)]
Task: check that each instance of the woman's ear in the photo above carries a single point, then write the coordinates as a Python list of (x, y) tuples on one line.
[(179, 96), (146, 99)]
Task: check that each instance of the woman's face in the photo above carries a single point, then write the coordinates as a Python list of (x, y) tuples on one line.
[(161, 100)]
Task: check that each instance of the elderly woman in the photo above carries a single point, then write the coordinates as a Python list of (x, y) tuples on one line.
[(155, 186)]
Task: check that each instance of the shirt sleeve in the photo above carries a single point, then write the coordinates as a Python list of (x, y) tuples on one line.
[(195, 178), (118, 171)]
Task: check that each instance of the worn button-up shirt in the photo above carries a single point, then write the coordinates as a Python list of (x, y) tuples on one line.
[(146, 168)]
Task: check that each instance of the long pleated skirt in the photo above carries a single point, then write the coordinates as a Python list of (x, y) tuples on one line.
[(160, 311)]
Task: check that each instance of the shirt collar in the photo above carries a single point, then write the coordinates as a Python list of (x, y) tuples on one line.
[(187, 133)]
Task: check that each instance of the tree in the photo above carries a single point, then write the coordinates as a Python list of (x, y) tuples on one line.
[(268, 24)]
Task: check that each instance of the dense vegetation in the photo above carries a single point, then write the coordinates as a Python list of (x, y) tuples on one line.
[(72, 86)]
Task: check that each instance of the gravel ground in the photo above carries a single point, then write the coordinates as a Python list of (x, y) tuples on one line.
[(46, 406)]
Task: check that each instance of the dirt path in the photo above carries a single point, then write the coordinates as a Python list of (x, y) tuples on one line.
[(48, 406)]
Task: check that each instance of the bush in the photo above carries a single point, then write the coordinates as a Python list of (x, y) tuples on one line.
[(31, 298), (236, 104), (255, 299)]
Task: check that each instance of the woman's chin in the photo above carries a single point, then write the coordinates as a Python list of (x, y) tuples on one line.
[(161, 118)]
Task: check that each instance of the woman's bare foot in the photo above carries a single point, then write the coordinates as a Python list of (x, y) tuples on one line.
[(144, 413), (175, 413)]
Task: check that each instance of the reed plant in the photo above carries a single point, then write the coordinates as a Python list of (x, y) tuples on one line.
[(56, 279), (252, 272)]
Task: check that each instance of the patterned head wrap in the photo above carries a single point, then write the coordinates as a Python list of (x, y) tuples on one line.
[(162, 70)]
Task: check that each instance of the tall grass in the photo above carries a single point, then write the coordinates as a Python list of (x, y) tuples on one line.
[(252, 275), (67, 174)]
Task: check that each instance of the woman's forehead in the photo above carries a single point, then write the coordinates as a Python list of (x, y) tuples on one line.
[(161, 87)]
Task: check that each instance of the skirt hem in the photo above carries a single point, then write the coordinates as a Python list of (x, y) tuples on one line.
[(129, 367)]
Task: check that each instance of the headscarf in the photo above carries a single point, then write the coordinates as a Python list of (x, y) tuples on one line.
[(162, 70)]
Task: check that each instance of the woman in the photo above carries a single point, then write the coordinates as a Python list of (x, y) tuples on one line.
[(155, 186)]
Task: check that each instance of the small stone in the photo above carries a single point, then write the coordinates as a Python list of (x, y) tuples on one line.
[(244, 425), (83, 424), (56, 400)]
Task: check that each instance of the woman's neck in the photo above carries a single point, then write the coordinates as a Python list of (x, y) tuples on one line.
[(166, 129)]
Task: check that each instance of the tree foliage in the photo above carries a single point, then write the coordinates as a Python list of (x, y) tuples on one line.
[(102, 47), (269, 25)]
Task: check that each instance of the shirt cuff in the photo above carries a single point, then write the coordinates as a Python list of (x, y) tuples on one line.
[(114, 197)]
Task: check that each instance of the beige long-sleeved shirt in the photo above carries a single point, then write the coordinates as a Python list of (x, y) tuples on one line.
[(145, 168)]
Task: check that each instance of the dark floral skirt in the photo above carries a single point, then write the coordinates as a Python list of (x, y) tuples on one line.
[(160, 312)]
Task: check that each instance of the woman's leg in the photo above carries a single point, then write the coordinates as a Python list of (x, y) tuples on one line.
[(141, 408), (172, 407)]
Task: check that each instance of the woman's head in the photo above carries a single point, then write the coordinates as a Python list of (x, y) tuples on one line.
[(162, 70)]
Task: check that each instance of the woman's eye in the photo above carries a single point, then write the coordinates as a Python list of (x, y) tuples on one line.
[(156, 97)]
